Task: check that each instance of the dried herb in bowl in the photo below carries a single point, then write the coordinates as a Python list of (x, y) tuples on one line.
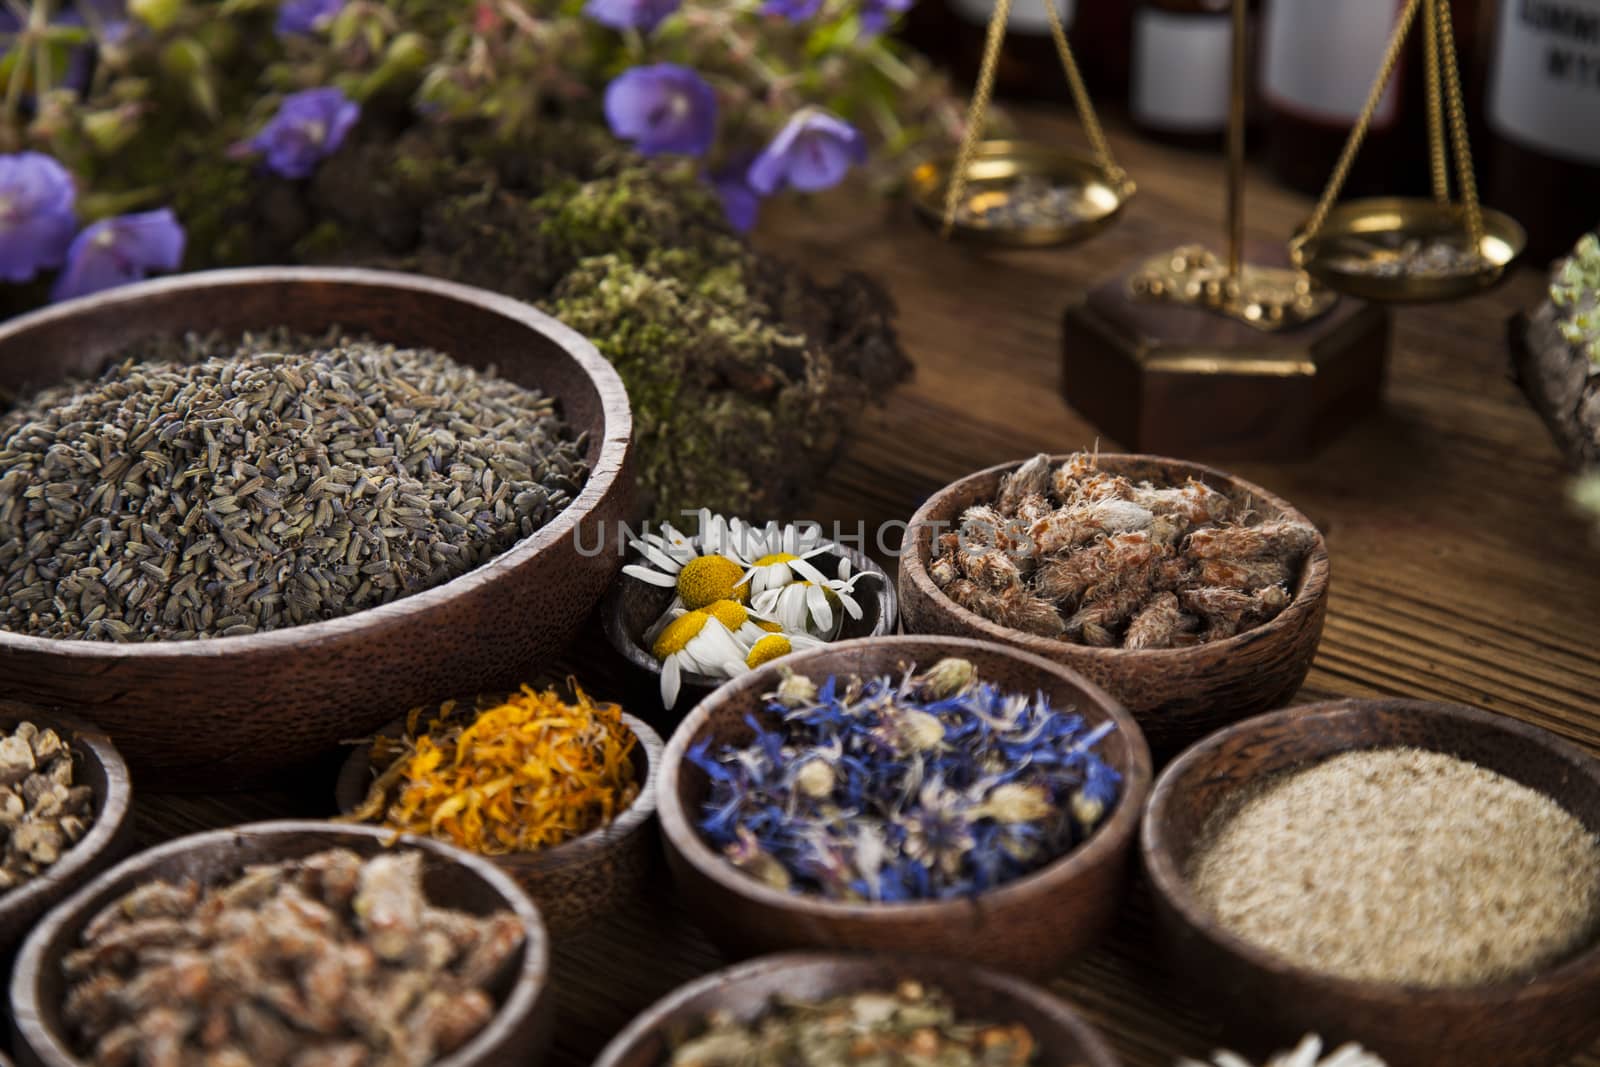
[(1308, 1053), (910, 1026), (42, 812), (330, 959), (516, 774), (213, 487), (1080, 554), (929, 786)]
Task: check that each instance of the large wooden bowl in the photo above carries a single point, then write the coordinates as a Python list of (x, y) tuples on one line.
[(1533, 1022), (96, 765), (746, 990), (219, 711), (1030, 925), (632, 606), (587, 877), (451, 878), (1177, 694)]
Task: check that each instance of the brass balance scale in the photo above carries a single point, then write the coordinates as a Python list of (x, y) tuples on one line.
[(1195, 352)]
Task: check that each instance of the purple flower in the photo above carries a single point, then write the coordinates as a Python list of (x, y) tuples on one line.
[(36, 218), (793, 10), (308, 128), (642, 15), (306, 16), (739, 202), (663, 109), (116, 251), (813, 151), (877, 14)]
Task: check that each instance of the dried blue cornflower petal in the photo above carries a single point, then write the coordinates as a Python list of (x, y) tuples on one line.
[(924, 787)]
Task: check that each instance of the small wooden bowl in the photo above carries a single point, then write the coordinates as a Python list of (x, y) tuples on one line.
[(587, 877), (1177, 694), (745, 991), (96, 765), (631, 606), (451, 878), (1030, 925), (221, 711), (1531, 1022)]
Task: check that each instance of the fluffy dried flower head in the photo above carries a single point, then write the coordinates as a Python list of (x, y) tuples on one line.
[(1306, 1054)]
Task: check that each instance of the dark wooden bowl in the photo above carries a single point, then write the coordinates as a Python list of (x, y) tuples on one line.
[(587, 877), (745, 991), (224, 710), (1030, 925), (1540, 1020), (451, 878), (96, 765), (1177, 694), (631, 606)]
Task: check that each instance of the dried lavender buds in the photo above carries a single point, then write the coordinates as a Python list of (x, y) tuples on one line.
[(326, 961), (912, 1026), (931, 786), (1083, 555), (229, 486), (42, 812), (1404, 866)]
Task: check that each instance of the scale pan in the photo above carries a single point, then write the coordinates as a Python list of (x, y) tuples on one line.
[(1402, 249), (1022, 193)]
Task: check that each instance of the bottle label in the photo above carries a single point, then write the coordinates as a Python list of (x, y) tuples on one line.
[(1321, 58), (1180, 71), (1027, 16), (1544, 83)]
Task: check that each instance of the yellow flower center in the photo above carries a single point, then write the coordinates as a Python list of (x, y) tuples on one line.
[(768, 649), (776, 557), (678, 634), (708, 579), (729, 613)]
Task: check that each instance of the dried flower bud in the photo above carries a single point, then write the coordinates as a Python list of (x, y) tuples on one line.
[(1014, 803), (920, 731), (1087, 809), (814, 779), (948, 677), (796, 690)]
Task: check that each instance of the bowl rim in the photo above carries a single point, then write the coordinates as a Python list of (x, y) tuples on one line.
[(1169, 883), (849, 964), (110, 822), (1111, 837), (529, 984), (638, 656), (1315, 573), (604, 473), (577, 850)]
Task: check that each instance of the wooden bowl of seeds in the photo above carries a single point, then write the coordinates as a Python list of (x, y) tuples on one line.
[(95, 765), (631, 606), (1209, 675), (1421, 878), (1029, 922), (579, 881), (747, 992), (513, 1026), (452, 487)]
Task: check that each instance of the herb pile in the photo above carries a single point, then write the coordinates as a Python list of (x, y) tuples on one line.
[(252, 484), (930, 786), (329, 959), (42, 813), (911, 1026), (1076, 553), (518, 774)]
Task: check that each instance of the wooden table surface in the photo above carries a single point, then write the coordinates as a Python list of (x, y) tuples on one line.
[(1459, 571)]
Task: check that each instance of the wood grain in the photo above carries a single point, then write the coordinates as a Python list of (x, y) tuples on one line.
[(1462, 575)]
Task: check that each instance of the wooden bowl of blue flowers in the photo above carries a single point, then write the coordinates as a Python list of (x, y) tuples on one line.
[(879, 995), (913, 794), (687, 613)]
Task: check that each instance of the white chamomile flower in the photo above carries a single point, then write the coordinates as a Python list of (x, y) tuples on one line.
[(807, 606), (771, 646), (1306, 1054), (777, 555), (698, 577), (697, 642)]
